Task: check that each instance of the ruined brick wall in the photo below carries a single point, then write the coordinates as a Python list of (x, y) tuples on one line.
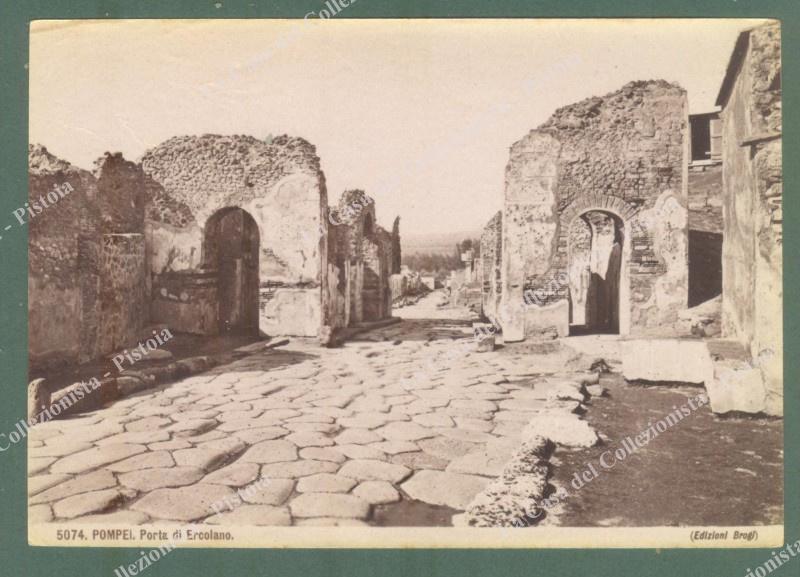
[(121, 272), (625, 154), (362, 255), (86, 278), (752, 205), (55, 303), (491, 252), (280, 184)]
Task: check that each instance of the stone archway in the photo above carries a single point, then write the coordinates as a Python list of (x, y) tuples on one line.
[(596, 255), (231, 248)]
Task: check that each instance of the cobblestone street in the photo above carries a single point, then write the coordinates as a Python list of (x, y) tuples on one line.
[(405, 416)]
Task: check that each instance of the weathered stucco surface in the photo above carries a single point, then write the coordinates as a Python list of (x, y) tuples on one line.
[(279, 184), (752, 302), (623, 154)]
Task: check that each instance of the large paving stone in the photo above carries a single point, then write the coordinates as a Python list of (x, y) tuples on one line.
[(268, 491), (434, 420), (489, 461), (325, 483), (523, 404), (39, 514), (296, 469), (377, 492), (466, 435), (136, 437), (192, 427), (115, 518), (395, 447), (322, 454), (235, 475), (195, 415), (186, 503), (90, 433), (518, 418), (330, 522), (207, 459), (329, 505), (86, 503), (39, 483), (147, 424), (447, 448), (404, 431), (441, 488), (324, 428), (170, 445), (93, 481), (361, 452), (253, 436), (96, 457), (253, 515), (357, 437), (310, 439), (478, 406), (277, 451), (38, 464), (468, 424), (312, 418), (150, 479), (372, 470), (60, 448), (419, 460), (150, 460)]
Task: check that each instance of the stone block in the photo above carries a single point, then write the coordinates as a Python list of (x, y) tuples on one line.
[(736, 387), (667, 360)]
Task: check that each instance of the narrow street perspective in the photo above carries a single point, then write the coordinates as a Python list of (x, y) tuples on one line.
[(404, 426), (530, 300)]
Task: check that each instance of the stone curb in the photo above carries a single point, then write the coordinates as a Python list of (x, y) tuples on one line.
[(129, 382), (514, 499)]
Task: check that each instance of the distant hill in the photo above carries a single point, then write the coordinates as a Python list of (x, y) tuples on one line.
[(436, 243)]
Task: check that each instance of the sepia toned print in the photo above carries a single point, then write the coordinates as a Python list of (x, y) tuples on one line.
[(384, 283)]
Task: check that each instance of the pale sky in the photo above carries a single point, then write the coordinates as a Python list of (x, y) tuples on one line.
[(418, 113)]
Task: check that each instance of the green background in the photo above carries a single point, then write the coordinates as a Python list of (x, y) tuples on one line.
[(17, 558)]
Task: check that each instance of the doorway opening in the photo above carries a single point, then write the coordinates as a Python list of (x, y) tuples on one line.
[(231, 248), (596, 241)]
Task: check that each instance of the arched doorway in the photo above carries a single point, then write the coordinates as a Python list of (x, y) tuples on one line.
[(231, 248), (596, 241)]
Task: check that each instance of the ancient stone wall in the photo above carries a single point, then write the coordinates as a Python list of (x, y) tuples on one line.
[(491, 251), (752, 204), (361, 256), (86, 281), (623, 154), (55, 303), (279, 184), (121, 273)]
